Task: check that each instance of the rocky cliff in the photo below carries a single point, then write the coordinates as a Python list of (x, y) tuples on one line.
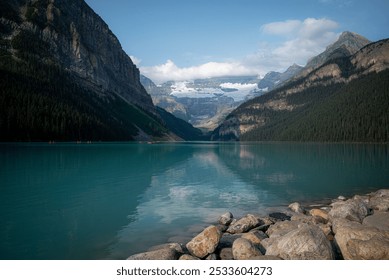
[(79, 40), (64, 76)]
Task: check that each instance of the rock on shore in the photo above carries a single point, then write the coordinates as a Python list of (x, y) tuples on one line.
[(353, 229)]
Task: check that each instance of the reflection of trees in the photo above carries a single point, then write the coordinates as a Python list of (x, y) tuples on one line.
[(305, 171)]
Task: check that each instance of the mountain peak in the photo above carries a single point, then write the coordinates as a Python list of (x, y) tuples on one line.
[(347, 44)]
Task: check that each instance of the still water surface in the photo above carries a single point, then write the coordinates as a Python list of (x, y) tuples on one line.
[(111, 200)]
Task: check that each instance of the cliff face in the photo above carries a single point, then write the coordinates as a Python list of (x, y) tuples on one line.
[(79, 41), (65, 77)]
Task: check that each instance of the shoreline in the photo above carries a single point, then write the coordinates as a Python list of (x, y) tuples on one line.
[(329, 229)]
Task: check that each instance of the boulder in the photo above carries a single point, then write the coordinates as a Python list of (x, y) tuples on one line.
[(226, 254), (212, 257), (380, 200), (282, 228), (278, 216), (352, 209), (175, 246), (187, 257), (266, 258), (379, 220), (226, 219), (319, 213), (306, 242), (296, 207), (255, 236), (244, 224), (243, 249), (228, 239), (161, 254), (204, 243), (360, 242)]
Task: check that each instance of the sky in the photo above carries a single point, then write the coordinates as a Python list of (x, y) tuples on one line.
[(190, 39)]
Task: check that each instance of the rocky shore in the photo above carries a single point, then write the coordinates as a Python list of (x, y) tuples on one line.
[(352, 229)]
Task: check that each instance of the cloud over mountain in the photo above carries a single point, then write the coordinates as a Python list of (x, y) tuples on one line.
[(300, 40)]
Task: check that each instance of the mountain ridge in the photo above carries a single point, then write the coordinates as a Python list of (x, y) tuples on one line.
[(271, 116)]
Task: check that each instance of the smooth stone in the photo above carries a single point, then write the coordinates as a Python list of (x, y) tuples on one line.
[(352, 209), (379, 220), (296, 207), (265, 258), (175, 246), (282, 228), (319, 213), (226, 254), (360, 242), (187, 257), (161, 254), (212, 257), (205, 242), (244, 224), (306, 242), (243, 249), (226, 219), (380, 200)]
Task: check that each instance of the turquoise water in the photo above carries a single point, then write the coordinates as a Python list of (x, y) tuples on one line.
[(110, 200)]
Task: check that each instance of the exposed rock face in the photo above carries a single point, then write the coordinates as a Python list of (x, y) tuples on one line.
[(79, 41), (204, 243)]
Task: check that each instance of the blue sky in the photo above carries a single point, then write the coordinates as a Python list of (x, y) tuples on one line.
[(181, 40)]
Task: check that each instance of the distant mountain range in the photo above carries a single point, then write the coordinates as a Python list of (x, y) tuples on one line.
[(336, 97), (206, 102)]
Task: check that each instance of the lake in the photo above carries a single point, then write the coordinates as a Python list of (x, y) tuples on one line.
[(111, 200)]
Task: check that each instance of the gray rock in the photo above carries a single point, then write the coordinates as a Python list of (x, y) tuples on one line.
[(204, 243), (319, 213), (212, 257), (360, 242), (226, 219), (266, 258), (379, 220), (187, 257), (244, 224), (306, 242), (228, 239), (161, 254), (282, 228), (352, 209), (226, 254), (296, 207), (175, 246), (380, 200), (243, 249)]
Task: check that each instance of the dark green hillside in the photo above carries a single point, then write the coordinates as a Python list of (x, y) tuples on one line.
[(180, 127), (354, 112), (40, 102)]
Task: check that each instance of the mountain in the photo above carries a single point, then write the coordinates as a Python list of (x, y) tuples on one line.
[(274, 79), (65, 76), (204, 103), (347, 44), (346, 98)]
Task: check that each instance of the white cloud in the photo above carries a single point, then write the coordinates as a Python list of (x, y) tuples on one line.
[(135, 60), (170, 71), (302, 39)]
